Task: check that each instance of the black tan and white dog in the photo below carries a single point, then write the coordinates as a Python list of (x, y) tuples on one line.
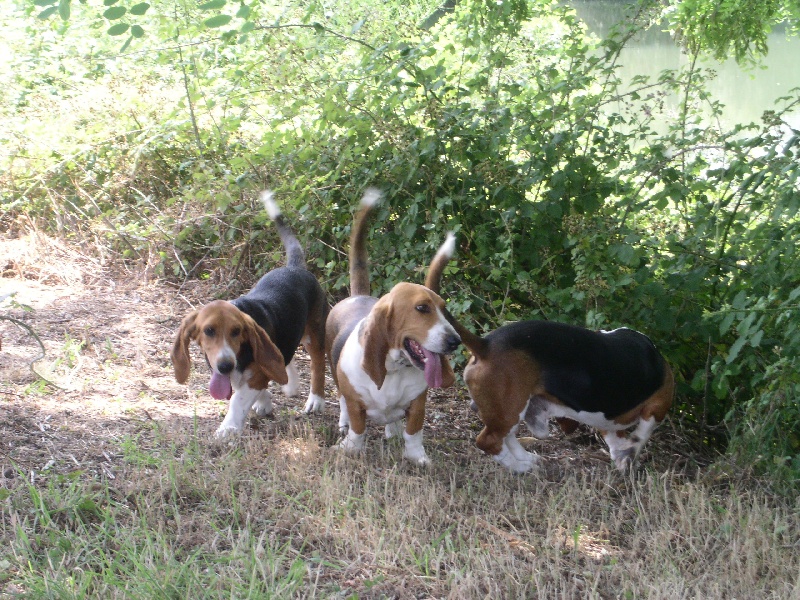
[(385, 353), (251, 340), (534, 370)]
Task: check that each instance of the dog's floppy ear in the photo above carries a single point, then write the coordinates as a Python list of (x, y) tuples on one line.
[(448, 377), (180, 348), (376, 343), (265, 353)]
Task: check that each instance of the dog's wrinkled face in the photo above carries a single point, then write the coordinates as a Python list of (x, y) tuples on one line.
[(221, 330), (415, 328)]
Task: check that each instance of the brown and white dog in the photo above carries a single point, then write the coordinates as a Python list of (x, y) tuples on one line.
[(535, 370), (385, 353), (251, 340)]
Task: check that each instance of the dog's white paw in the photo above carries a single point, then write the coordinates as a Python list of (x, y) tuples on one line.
[(625, 459), (226, 433), (352, 443), (263, 406), (516, 462), (414, 451), (290, 391), (421, 460), (314, 404)]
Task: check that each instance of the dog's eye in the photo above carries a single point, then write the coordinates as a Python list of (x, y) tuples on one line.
[(423, 308), (209, 332), (236, 332)]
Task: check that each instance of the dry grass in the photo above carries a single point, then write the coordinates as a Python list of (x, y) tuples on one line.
[(111, 486)]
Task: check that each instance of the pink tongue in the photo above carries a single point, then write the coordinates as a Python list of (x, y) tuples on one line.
[(220, 386), (433, 368)]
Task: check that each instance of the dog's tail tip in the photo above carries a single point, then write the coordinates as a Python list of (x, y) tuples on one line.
[(370, 197), (448, 247), (268, 199)]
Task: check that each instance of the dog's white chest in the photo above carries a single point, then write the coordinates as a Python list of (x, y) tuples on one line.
[(403, 383)]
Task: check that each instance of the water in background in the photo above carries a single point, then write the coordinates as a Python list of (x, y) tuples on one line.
[(746, 92)]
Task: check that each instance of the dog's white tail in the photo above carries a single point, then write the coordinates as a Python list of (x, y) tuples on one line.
[(268, 199)]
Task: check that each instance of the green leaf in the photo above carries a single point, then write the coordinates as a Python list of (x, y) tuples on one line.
[(115, 12), (139, 9), (43, 2), (740, 300), (64, 9), (118, 29), (137, 31), (243, 12), (217, 21), (735, 349), (212, 4), (357, 26), (109, 2), (248, 27), (726, 323), (47, 12)]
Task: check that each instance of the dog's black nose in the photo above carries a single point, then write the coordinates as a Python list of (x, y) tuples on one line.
[(225, 367), (452, 342)]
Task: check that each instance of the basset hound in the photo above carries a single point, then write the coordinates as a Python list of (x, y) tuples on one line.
[(534, 370), (386, 352), (251, 340)]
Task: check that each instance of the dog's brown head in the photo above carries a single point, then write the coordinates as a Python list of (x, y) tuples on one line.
[(410, 320), (222, 330)]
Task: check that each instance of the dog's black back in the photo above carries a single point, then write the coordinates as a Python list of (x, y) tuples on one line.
[(608, 372), (280, 303)]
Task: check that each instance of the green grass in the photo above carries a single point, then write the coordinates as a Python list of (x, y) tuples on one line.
[(289, 517)]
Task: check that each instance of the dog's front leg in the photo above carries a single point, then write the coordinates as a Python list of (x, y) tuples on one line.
[(414, 450), (293, 385), (513, 456), (353, 442), (344, 419), (240, 404)]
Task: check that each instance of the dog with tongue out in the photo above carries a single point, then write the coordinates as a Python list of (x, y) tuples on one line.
[(386, 352), (251, 340)]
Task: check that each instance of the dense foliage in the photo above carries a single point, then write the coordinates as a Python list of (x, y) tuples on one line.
[(575, 196)]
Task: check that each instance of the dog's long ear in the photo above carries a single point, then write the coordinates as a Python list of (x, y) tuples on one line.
[(448, 377), (180, 348), (265, 353), (376, 342)]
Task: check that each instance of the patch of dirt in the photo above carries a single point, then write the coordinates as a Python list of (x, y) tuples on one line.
[(107, 336)]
